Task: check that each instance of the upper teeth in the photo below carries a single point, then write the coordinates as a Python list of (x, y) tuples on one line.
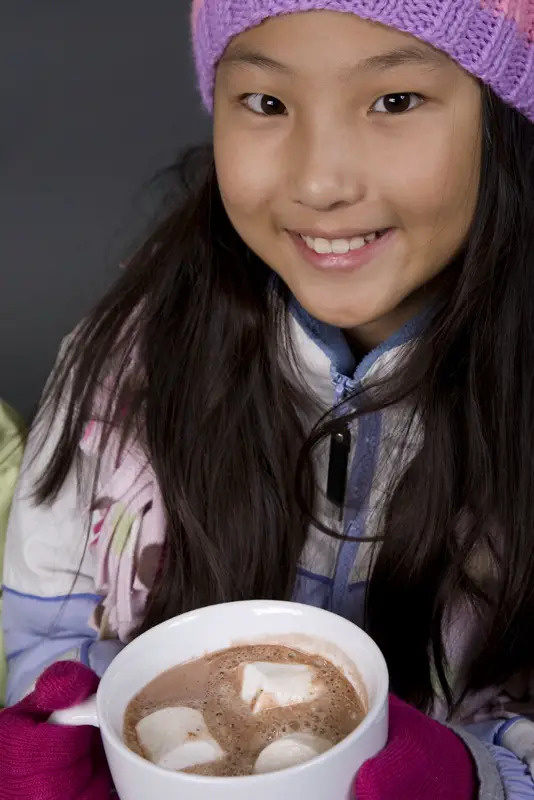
[(340, 246)]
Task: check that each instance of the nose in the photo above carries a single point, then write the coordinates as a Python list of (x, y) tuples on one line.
[(326, 168)]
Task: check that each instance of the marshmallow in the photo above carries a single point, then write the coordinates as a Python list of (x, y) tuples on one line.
[(177, 738), (289, 751), (267, 685)]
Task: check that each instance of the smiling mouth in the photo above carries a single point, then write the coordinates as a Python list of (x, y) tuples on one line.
[(340, 246)]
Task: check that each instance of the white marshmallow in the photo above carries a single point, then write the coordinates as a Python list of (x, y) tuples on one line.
[(289, 751), (267, 685), (176, 738)]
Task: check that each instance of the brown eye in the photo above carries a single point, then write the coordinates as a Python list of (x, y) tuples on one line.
[(264, 104), (397, 103)]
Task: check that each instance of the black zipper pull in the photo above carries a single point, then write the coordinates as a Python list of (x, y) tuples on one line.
[(338, 463)]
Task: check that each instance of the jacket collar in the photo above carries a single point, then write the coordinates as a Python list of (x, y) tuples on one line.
[(325, 358)]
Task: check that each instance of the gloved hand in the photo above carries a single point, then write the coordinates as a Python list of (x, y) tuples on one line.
[(423, 760), (41, 761)]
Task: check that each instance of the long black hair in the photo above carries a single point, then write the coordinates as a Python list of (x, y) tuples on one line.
[(192, 343)]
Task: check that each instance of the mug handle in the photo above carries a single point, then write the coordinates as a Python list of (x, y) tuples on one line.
[(82, 714)]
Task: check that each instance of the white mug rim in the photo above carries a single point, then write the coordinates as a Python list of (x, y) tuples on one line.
[(381, 698)]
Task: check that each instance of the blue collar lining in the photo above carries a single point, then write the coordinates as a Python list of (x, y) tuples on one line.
[(335, 346)]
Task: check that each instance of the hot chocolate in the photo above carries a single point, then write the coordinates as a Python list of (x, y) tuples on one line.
[(243, 710)]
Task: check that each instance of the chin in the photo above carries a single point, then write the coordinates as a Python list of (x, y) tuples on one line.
[(338, 317)]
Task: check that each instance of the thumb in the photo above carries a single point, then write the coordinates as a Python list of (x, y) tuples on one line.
[(63, 685)]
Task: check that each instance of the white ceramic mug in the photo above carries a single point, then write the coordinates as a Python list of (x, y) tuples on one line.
[(330, 776)]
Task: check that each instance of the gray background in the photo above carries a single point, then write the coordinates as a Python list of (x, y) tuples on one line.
[(95, 98)]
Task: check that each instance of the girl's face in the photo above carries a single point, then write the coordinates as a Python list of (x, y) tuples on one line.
[(334, 128)]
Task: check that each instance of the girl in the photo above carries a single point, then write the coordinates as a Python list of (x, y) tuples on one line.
[(315, 380)]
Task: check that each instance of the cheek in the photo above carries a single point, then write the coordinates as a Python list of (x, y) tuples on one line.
[(247, 182), (435, 186)]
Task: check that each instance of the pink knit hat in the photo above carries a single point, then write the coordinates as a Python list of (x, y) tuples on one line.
[(492, 39)]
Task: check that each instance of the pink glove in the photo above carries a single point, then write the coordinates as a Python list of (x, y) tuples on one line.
[(422, 760), (40, 761)]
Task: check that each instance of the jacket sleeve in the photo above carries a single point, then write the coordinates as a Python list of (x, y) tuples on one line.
[(502, 772), (49, 590)]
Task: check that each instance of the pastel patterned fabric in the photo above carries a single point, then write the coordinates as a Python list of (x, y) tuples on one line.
[(492, 39), (127, 533), (12, 436)]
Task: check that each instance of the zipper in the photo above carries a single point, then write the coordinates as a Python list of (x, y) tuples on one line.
[(338, 463), (340, 447)]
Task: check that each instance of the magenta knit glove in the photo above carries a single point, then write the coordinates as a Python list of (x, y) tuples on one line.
[(422, 760), (41, 761)]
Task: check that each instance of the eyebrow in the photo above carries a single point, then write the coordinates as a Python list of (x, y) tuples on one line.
[(403, 56)]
